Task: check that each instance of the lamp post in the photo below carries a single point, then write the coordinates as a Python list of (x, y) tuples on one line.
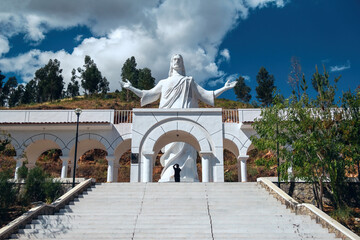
[(77, 112)]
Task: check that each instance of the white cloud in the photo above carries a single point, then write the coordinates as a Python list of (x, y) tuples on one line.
[(246, 78), (222, 80), (4, 45), (78, 38), (225, 54), (150, 30), (339, 68)]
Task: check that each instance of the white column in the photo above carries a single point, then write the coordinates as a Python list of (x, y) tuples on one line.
[(64, 168), (205, 165), (116, 171), (239, 170), (242, 160), (110, 170), (19, 163), (134, 168), (147, 166)]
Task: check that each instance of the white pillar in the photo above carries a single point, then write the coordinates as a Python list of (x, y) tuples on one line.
[(116, 171), (205, 165), (239, 170), (147, 166), (110, 170), (242, 160), (64, 168), (134, 168), (19, 163)]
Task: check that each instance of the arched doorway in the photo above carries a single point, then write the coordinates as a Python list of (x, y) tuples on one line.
[(150, 159)]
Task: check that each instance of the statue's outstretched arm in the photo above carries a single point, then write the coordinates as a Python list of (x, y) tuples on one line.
[(228, 85), (127, 85)]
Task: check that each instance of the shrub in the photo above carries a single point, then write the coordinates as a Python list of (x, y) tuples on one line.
[(39, 186), (53, 190), (22, 172), (34, 185), (8, 191)]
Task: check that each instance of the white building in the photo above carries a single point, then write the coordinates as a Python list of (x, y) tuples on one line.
[(144, 131)]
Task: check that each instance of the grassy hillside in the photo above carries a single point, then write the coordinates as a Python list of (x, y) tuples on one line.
[(113, 101)]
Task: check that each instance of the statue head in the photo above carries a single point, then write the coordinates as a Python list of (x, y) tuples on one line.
[(177, 63)]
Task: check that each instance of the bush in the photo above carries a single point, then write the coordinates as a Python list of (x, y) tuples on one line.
[(22, 172), (34, 185), (53, 190), (8, 191), (39, 186)]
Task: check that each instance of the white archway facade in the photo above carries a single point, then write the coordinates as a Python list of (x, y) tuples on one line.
[(201, 128), (34, 131)]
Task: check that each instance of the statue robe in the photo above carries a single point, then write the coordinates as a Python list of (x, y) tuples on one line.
[(178, 92)]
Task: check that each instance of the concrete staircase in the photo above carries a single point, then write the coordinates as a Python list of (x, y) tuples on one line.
[(174, 211)]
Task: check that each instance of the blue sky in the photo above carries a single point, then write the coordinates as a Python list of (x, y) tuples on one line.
[(219, 40)]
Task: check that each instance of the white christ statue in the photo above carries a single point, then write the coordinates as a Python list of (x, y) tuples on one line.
[(178, 91)]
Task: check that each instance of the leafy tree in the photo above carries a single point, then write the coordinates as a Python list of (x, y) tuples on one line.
[(139, 78), (104, 85), (8, 89), (50, 81), (295, 76), (30, 94), (16, 95), (351, 105), (131, 73), (242, 91), (310, 134), (265, 87), (146, 81), (2, 77), (73, 86), (91, 77)]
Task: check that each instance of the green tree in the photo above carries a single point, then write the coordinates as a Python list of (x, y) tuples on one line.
[(146, 81), (310, 136), (8, 89), (104, 85), (131, 73), (50, 81), (91, 77), (242, 91), (16, 95), (30, 94), (295, 76), (351, 105), (73, 86), (2, 77), (265, 87)]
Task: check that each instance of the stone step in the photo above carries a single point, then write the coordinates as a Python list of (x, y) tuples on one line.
[(174, 211)]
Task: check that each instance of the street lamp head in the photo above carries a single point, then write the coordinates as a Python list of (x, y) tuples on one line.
[(78, 111)]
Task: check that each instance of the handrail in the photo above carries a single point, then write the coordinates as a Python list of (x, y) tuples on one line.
[(230, 115), (123, 116)]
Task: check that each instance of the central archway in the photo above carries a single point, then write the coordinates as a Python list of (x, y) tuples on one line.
[(168, 138), (168, 132)]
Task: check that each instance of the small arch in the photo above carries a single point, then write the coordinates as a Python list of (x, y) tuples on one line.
[(16, 145), (36, 148), (122, 147), (84, 146), (122, 154), (45, 136), (90, 136), (231, 146)]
